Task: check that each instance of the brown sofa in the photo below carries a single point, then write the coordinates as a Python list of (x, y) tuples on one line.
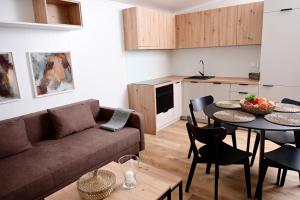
[(53, 163)]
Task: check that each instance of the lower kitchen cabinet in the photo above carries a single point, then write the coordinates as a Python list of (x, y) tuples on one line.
[(277, 93), (177, 99), (219, 91), (192, 90)]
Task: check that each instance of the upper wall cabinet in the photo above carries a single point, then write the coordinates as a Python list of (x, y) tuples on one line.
[(250, 21), (148, 29), (190, 30), (229, 26), (211, 28)]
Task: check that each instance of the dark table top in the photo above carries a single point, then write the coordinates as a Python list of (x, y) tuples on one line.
[(259, 123)]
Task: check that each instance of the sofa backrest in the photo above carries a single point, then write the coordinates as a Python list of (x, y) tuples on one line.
[(39, 126)]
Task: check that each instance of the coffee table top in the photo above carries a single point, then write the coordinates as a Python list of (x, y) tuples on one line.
[(152, 183)]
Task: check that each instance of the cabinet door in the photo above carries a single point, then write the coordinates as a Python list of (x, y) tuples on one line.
[(167, 35), (220, 92), (147, 28), (277, 93), (177, 100), (277, 5), (280, 60), (250, 18), (227, 27), (190, 30), (192, 90), (211, 28)]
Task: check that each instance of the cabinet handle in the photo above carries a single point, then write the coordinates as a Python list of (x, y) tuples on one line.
[(286, 9), (243, 92), (193, 82), (177, 82), (243, 84), (268, 85), (217, 83)]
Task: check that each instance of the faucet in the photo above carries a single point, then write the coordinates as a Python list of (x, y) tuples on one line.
[(202, 73)]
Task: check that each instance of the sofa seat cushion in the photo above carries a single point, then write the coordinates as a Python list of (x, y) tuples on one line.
[(54, 162)]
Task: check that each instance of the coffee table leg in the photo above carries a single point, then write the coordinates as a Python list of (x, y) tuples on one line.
[(167, 194), (180, 191), (258, 192)]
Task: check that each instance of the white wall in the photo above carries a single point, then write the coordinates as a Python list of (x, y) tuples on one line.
[(235, 61), (145, 65), (98, 57)]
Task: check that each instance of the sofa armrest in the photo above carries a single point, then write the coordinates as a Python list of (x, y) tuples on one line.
[(135, 121)]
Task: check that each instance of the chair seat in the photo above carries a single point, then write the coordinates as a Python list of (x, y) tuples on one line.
[(228, 154), (280, 137), (286, 156)]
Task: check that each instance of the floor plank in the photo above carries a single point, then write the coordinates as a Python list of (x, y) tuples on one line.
[(168, 150)]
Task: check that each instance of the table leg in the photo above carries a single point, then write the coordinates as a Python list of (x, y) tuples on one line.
[(167, 195), (258, 192), (248, 139), (180, 191)]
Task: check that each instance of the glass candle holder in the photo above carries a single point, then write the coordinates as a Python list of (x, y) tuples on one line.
[(129, 165)]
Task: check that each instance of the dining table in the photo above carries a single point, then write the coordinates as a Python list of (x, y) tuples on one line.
[(261, 124)]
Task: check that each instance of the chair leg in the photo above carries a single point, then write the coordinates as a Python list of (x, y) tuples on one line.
[(278, 176), (259, 188), (216, 181), (248, 139), (191, 174), (190, 152), (247, 177), (233, 140), (284, 171), (256, 144), (208, 166)]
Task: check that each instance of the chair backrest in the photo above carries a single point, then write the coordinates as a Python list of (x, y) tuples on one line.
[(198, 104), (290, 101), (212, 137)]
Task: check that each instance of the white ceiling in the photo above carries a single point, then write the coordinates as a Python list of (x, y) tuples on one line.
[(172, 5)]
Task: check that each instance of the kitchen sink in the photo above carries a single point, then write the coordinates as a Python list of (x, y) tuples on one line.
[(200, 77)]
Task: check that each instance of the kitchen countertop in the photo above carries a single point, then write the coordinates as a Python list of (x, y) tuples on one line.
[(224, 80)]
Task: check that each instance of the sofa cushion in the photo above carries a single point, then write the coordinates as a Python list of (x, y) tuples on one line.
[(51, 163), (13, 138), (71, 119)]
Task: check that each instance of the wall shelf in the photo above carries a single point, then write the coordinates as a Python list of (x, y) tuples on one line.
[(29, 25)]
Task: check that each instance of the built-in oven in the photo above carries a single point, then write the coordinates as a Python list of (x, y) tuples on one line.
[(164, 98)]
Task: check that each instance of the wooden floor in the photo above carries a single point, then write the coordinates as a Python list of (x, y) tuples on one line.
[(168, 150)]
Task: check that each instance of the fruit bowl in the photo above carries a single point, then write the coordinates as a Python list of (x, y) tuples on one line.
[(257, 106)]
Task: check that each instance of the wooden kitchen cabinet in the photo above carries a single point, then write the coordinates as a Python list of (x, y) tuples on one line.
[(250, 22), (228, 26), (148, 29), (211, 28), (190, 30)]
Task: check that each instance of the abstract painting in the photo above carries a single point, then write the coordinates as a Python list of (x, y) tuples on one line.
[(51, 73), (9, 89)]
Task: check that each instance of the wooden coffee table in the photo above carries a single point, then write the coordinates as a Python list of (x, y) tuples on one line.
[(152, 184)]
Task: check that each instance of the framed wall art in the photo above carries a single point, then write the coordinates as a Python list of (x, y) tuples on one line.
[(51, 73), (9, 89)]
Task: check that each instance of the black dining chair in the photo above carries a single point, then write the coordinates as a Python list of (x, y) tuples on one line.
[(286, 157), (279, 137), (197, 105), (215, 151)]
